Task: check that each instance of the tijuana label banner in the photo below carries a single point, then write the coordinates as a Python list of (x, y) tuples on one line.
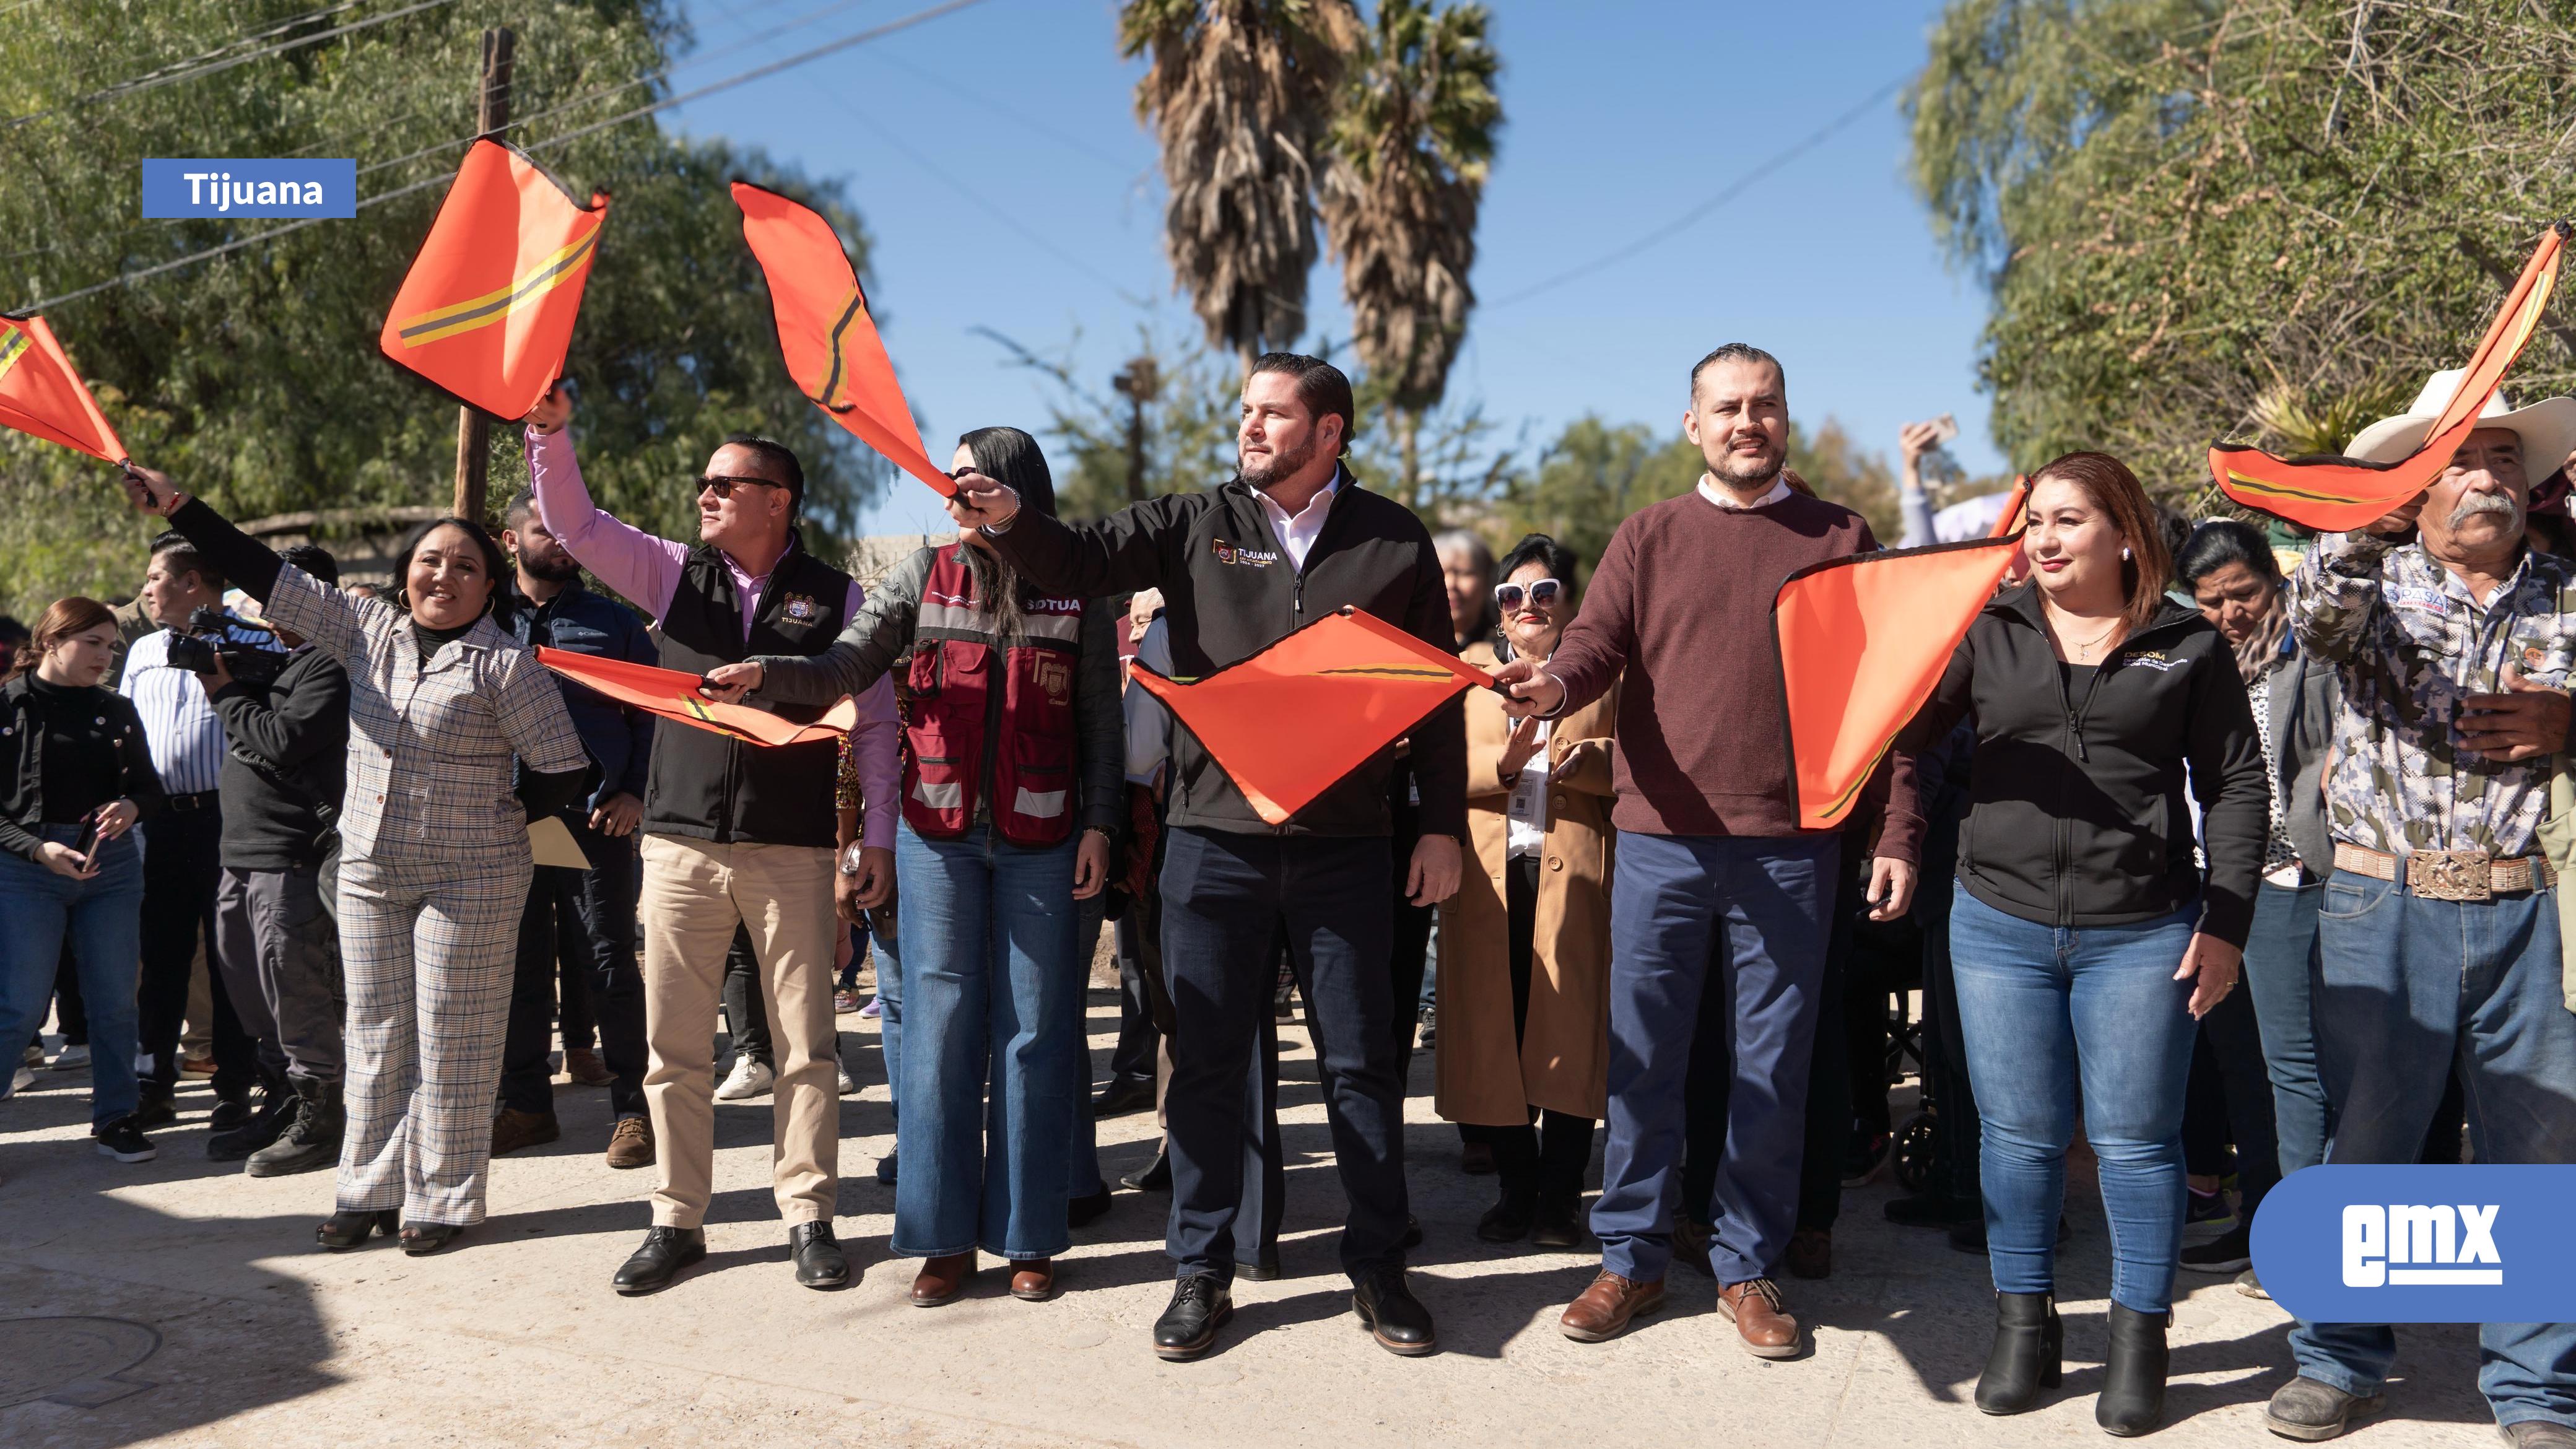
[(829, 341), (2335, 494), (673, 695), (42, 396), (1288, 723), (1862, 642), (487, 309)]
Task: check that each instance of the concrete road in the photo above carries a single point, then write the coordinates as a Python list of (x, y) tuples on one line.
[(180, 1303)]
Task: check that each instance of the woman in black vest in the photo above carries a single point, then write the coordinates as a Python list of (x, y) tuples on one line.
[(1013, 772), (444, 711)]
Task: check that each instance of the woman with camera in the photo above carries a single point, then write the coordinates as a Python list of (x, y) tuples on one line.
[(443, 711), (75, 775)]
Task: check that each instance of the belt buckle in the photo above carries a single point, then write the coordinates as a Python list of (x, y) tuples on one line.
[(2451, 875)]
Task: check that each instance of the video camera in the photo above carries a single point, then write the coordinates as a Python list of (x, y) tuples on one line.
[(196, 649)]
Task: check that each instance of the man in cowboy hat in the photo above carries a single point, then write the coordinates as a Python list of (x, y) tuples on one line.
[(2438, 946)]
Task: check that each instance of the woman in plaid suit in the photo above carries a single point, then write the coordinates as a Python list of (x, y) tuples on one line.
[(434, 861)]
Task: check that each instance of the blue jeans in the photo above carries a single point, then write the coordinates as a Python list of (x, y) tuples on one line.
[(993, 1001), (1083, 1163), (2039, 1006), (103, 917), (2279, 955), (2406, 988), (1688, 914)]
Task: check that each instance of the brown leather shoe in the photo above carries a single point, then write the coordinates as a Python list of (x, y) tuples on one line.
[(1761, 1319), (631, 1144), (942, 1278), (1033, 1279), (1690, 1246), (515, 1129), (1811, 1253), (582, 1064), (1605, 1308)]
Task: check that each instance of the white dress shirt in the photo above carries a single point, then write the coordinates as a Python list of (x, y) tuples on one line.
[(1709, 491), (1297, 532), (179, 724)]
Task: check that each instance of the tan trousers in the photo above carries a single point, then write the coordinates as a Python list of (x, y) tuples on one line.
[(695, 892)]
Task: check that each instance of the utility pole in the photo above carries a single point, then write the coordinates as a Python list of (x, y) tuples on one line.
[(1137, 382), (473, 429)]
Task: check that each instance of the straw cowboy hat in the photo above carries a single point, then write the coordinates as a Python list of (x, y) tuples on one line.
[(2547, 427)]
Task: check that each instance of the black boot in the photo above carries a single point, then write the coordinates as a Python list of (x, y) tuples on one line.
[(2133, 1382), (312, 1140), (1508, 1220), (268, 1121), (2028, 1355), (1559, 1221)]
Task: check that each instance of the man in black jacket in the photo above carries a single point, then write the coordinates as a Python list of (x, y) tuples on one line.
[(1291, 539), (277, 945)]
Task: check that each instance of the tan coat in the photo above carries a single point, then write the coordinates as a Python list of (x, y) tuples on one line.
[(1564, 1059)]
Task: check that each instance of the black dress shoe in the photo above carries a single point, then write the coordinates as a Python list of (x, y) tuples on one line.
[(816, 1254), (157, 1108), (1082, 1212), (1412, 1232), (1264, 1267), (1396, 1319), (1201, 1303), (1157, 1176), (1508, 1220), (230, 1113), (1120, 1098), (666, 1251)]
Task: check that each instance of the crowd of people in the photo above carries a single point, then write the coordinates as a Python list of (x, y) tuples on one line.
[(2166, 760)]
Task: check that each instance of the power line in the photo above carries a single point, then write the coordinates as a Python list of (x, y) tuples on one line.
[(746, 77), (1733, 189), (157, 80)]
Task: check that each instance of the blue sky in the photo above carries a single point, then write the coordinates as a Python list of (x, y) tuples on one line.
[(996, 156)]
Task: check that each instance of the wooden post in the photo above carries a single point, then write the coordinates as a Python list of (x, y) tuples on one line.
[(473, 429)]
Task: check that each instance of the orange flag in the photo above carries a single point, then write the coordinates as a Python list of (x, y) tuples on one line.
[(1289, 722), (824, 331), (40, 394), (2337, 494), (673, 694), (486, 311), (1862, 642)]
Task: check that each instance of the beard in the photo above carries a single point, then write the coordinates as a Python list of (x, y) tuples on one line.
[(1743, 472), (1261, 477), (558, 568)]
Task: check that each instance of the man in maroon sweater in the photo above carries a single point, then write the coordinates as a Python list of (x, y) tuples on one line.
[(1716, 886)]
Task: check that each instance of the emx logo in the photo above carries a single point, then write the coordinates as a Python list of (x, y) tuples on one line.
[(2434, 1244), (2413, 1244)]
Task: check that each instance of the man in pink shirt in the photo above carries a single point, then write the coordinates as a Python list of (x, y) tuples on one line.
[(735, 835)]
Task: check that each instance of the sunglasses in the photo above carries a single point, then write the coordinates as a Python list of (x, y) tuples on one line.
[(722, 486), (1542, 592)]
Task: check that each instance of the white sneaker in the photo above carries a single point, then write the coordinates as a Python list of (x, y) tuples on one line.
[(70, 1059), (748, 1079), (19, 1081), (848, 1087)]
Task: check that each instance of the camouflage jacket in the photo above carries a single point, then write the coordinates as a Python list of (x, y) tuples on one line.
[(2409, 643)]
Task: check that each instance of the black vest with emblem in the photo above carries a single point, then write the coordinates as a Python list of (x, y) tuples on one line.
[(710, 786)]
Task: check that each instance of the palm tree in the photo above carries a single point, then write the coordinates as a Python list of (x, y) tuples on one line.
[(1411, 139), (1239, 92)]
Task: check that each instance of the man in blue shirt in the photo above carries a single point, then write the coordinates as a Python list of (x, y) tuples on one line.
[(583, 920)]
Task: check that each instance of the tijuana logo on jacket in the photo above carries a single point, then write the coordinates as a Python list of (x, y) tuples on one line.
[(1248, 557)]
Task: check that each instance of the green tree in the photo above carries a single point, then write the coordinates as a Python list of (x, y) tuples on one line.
[(1412, 137), (1239, 93), (2254, 218), (254, 377)]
